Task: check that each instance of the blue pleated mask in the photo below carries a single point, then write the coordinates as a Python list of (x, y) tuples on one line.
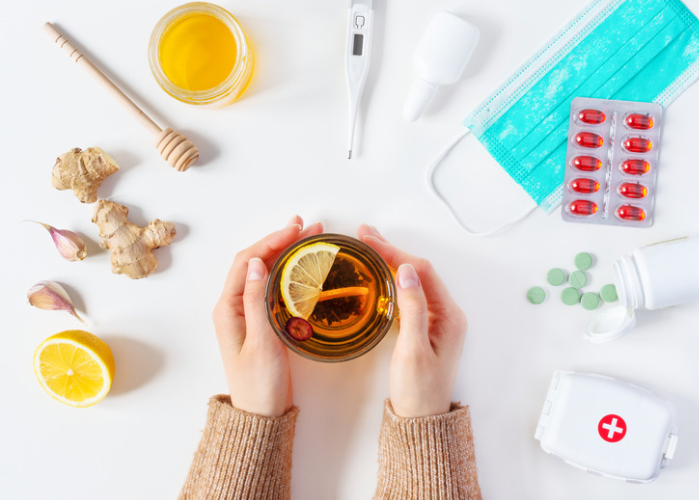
[(631, 50)]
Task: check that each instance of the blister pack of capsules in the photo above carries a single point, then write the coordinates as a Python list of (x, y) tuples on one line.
[(612, 162)]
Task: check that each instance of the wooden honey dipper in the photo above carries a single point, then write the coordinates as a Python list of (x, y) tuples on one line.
[(175, 148)]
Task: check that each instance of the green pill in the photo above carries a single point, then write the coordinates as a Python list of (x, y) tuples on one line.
[(556, 277), (577, 279), (583, 261), (590, 301), (536, 295), (608, 293), (570, 296)]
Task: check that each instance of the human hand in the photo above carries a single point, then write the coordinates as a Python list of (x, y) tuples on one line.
[(432, 331), (255, 361)]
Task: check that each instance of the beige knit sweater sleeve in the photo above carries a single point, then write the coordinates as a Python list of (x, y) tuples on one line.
[(246, 456), (241, 456), (427, 458)]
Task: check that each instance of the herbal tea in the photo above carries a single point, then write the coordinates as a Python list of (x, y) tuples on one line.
[(330, 297)]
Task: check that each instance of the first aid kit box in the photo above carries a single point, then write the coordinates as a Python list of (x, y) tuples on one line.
[(607, 427)]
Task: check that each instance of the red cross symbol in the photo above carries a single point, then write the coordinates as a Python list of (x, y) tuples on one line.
[(612, 428)]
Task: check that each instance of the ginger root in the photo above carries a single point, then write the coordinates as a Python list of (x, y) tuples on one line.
[(131, 245), (83, 172)]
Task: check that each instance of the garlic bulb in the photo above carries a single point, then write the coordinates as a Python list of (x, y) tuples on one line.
[(69, 245), (51, 296)]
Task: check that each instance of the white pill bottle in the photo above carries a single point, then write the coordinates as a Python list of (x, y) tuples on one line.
[(653, 277), (659, 275)]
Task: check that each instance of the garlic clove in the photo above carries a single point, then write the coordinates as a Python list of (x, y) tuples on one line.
[(51, 296), (70, 245)]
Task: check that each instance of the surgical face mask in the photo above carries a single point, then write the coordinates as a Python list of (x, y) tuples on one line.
[(631, 50)]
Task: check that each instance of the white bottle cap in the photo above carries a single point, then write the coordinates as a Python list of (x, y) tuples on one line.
[(611, 324), (439, 59)]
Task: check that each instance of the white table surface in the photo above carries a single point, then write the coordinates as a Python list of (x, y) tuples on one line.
[(281, 151)]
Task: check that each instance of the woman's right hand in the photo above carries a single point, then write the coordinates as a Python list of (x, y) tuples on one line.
[(432, 331), (255, 361)]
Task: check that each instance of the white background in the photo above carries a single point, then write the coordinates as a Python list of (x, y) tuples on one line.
[(281, 151)]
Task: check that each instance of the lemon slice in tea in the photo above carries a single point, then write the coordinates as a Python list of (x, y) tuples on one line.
[(75, 367), (303, 276)]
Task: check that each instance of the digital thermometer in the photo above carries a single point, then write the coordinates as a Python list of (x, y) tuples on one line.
[(357, 57)]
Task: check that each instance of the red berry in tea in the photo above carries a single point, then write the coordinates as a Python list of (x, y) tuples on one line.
[(299, 329)]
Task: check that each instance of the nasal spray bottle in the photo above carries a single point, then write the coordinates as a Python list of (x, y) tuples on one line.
[(652, 277), (439, 59)]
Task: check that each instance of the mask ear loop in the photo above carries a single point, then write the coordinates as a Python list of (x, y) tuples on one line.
[(433, 188)]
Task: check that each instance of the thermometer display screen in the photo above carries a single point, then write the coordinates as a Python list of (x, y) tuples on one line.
[(358, 45)]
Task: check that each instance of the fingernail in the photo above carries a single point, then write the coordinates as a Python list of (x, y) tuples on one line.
[(372, 229), (296, 220), (256, 269), (315, 226), (407, 277), (367, 238)]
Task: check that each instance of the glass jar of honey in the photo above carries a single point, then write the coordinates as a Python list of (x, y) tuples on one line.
[(199, 54)]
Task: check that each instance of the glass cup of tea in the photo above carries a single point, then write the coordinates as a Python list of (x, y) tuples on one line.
[(330, 297)]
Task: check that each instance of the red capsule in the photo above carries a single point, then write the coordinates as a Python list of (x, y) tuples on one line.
[(630, 213), (589, 140), (633, 190), (582, 207), (585, 186), (587, 163), (638, 145), (592, 116), (639, 122), (635, 167)]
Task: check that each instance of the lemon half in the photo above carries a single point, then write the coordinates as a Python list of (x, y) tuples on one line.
[(303, 276), (75, 367)]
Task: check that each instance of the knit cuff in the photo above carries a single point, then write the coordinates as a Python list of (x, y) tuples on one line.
[(427, 457), (241, 455)]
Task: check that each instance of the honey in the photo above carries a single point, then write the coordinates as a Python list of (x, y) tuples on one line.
[(199, 54)]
